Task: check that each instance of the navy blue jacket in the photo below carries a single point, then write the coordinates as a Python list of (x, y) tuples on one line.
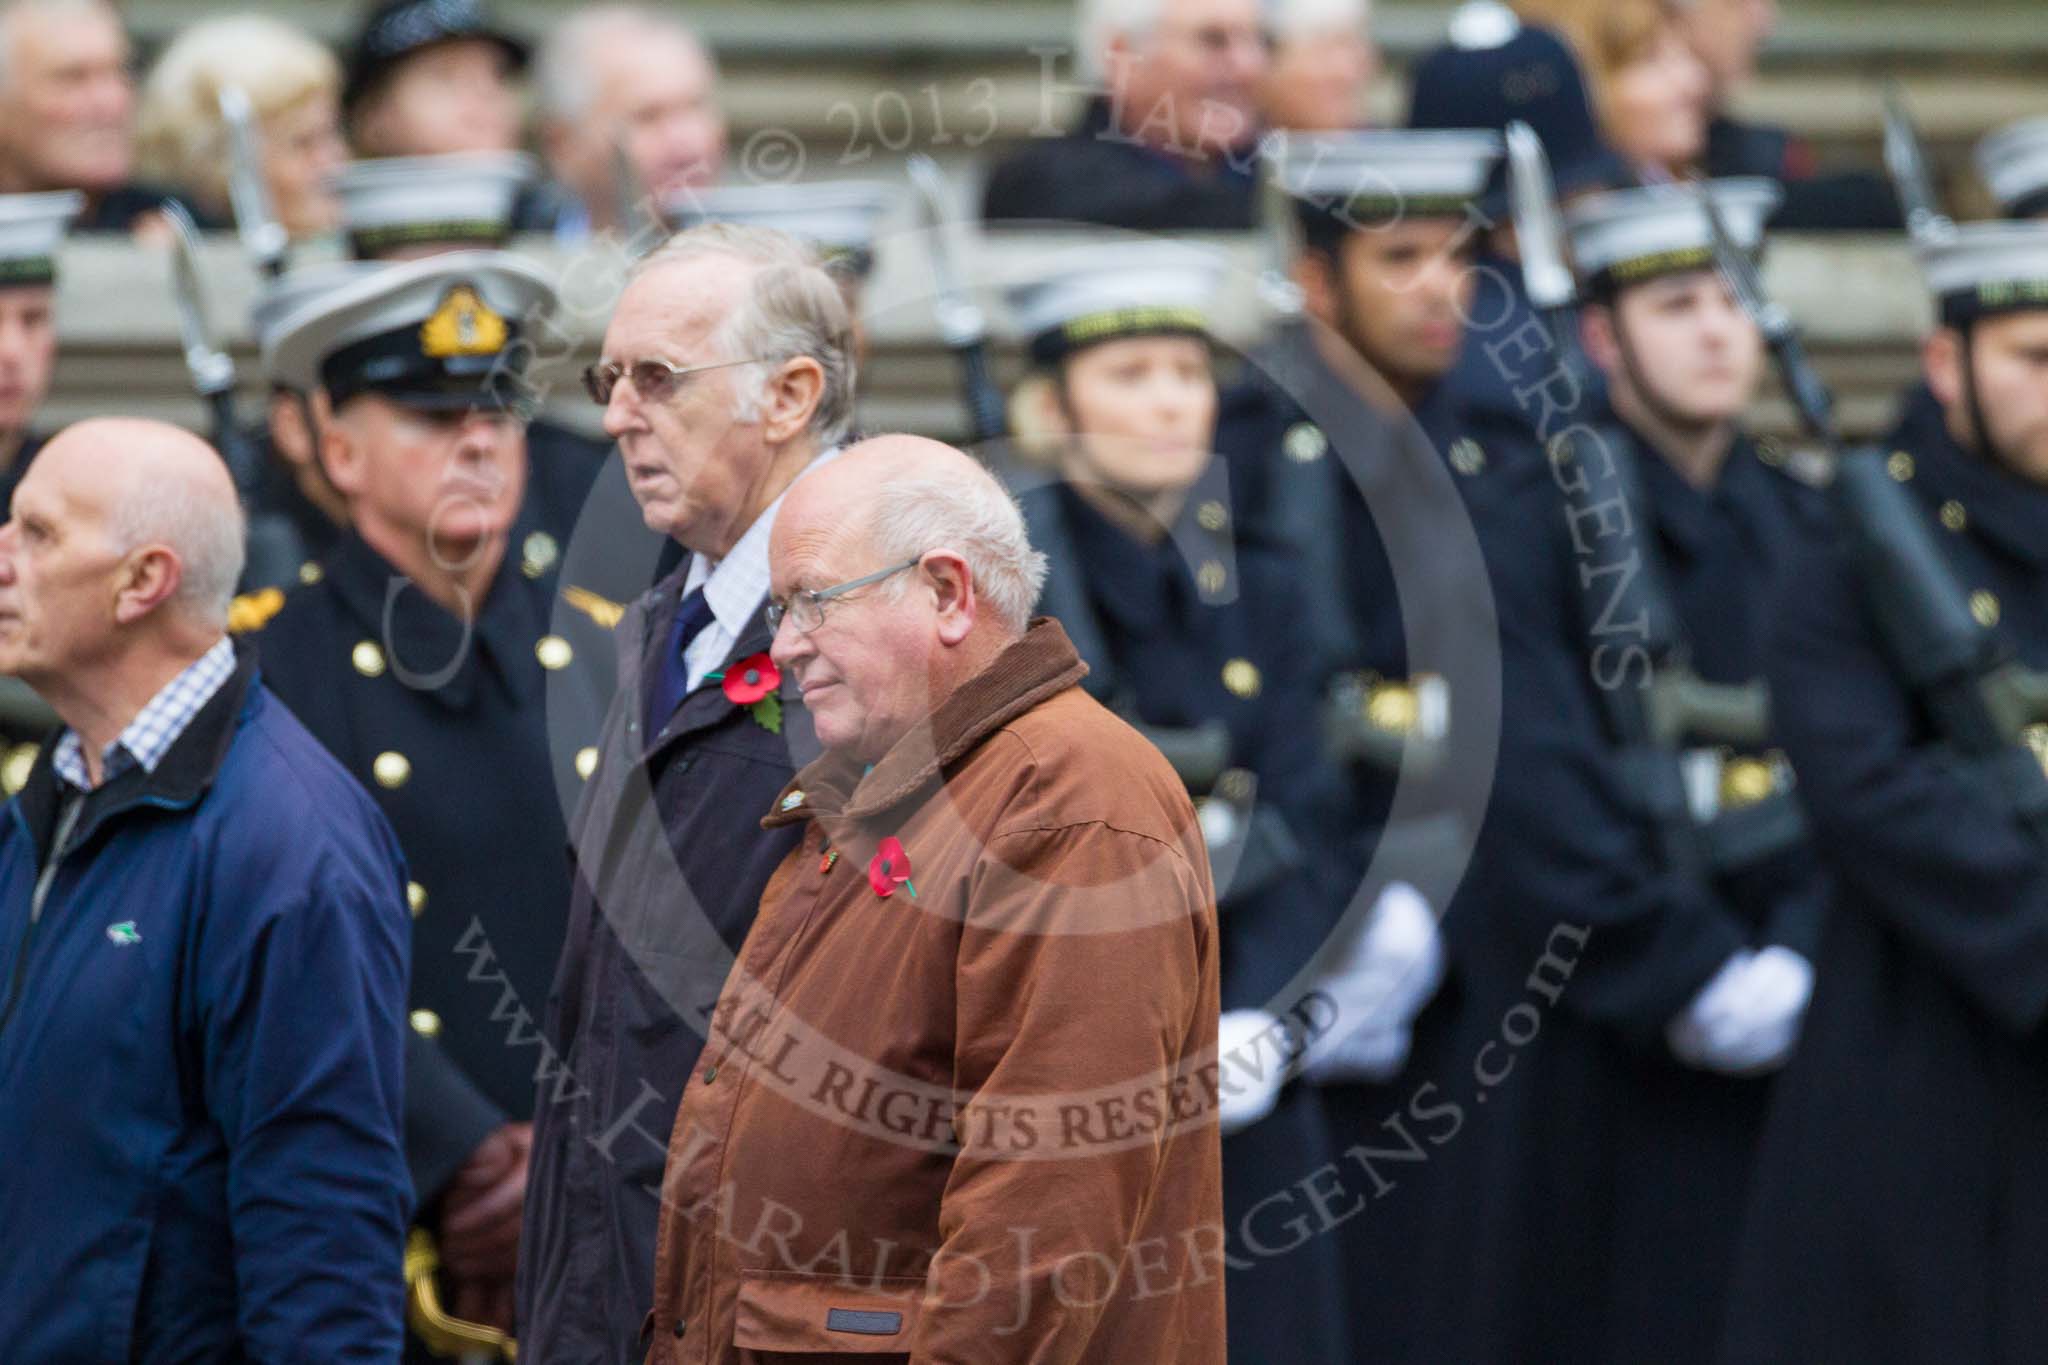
[(200, 1056), (1898, 1211), (1096, 175)]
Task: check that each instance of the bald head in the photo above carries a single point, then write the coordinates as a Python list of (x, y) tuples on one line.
[(905, 569), (142, 483)]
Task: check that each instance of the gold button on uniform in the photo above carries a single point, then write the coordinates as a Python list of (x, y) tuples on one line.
[(391, 769), (368, 658), (1466, 457), (586, 761), (1212, 516), (426, 1023), (1745, 781), (15, 768), (1900, 466), (415, 898), (1984, 607), (553, 652), (1211, 577), (1953, 516), (310, 573), (1392, 708), (1241, 678)]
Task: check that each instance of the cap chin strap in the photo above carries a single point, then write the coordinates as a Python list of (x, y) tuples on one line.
[(1980, 443)]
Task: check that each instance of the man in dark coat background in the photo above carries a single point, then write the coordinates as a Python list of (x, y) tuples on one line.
[(714, 423)]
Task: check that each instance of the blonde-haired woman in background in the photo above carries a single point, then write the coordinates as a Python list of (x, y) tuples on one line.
[(1649, 87), (293, 84)]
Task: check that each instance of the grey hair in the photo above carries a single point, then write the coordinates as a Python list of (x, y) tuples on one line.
[(974, 514), (207, 533), (1295, 19), (793, 307), (1101, 20), (565, 86), (14, 7)]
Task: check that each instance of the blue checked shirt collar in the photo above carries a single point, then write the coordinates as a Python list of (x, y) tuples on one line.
[(156, 726)]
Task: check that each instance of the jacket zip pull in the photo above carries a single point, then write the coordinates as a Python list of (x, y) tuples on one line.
[(67, 821)]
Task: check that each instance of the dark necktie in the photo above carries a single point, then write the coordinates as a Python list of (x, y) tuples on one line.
[(672, 677)]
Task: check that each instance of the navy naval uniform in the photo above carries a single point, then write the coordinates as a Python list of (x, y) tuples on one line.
[(1901, 1203), (471, 746), (1589, 1211), (1334, 488), (1202, 627)]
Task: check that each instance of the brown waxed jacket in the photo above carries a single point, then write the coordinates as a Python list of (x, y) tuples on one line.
[(971, 1120)]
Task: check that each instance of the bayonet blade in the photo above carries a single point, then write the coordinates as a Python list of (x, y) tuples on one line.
[(211, 370), (262, 235), (1906, 162), (1539, 228), (960, 319)]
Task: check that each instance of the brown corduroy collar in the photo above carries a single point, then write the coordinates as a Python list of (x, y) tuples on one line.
[(1038, 664)]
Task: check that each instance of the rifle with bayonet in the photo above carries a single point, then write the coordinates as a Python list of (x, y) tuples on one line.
[(211, 369), (960, 319), (1654, 702), (1981, 699), (1906, 163), (263, 237)]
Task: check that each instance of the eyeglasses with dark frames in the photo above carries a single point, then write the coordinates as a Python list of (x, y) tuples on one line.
[(653, 380)]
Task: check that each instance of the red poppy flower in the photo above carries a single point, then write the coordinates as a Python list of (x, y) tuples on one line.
[(890, 868), (751, 679)]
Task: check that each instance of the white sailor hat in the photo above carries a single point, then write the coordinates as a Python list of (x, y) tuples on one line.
[(2014, 165), (279, 298), (1624, 237), (461, 199), (838, 217), (439, 334), (1986, 268), (32, 227), (1346, 180), (1122, 289)]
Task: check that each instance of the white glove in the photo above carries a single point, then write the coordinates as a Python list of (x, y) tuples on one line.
[(1745, 1020), (1252, 1054), (1378, 985)]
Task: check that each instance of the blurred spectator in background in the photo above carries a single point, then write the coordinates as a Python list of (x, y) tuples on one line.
[(2013, 163), (432, 76), (1165, 140), (294, 86), (1322, 65), (629, 118), (67, 110), (1649, 88), (1726, 36)]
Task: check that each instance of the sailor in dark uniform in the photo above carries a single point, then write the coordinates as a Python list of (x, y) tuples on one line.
[(295, 516), (1344, 447), (1646, 901), (427, 654), (2013, 164), (1492, 72), (32, 228), (1900, 1208), (1200, 638), (405, 208)]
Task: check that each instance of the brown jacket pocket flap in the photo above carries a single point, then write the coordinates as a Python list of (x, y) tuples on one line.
[(784, 1312)]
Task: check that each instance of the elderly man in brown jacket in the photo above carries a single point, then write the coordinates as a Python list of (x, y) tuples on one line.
[(959, 1101)]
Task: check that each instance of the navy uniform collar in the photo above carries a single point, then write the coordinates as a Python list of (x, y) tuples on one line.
[(428, 646), (1970, 495), (1165, 584)]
